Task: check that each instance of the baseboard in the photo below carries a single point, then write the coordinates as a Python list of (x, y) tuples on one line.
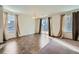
[(55, 36), (36, 33), (23, 36), (60, 37), (19, 37), (66, 38)]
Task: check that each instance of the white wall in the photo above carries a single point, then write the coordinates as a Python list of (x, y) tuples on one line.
[(26, 25), (1, 24)]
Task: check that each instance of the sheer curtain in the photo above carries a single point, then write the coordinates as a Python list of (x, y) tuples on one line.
[(61, 26), (5, 15), (37, 24)]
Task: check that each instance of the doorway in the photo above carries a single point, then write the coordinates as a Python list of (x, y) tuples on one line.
[(67, 26), (44, 26), (9, 24)]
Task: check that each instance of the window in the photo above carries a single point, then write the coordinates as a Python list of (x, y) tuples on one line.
[(11, 23), (68, 23), (44, 24)]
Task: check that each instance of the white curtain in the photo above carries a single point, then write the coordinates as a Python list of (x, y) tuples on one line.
[(37, 24)]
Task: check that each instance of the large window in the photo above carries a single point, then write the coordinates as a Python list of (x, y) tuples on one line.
[(68, 23), (11, 23), (44, 24)]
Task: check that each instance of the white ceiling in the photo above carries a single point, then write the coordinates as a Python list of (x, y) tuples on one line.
[(39, 10)]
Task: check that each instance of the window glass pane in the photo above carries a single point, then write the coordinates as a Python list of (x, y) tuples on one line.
[(44, 24), (11, 23), (68, 23)]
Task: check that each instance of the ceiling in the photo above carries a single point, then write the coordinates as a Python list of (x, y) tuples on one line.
[(39, 10)]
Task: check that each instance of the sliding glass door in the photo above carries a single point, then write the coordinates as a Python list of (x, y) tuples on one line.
[(44, 26), (67, 26), (10, 29)]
